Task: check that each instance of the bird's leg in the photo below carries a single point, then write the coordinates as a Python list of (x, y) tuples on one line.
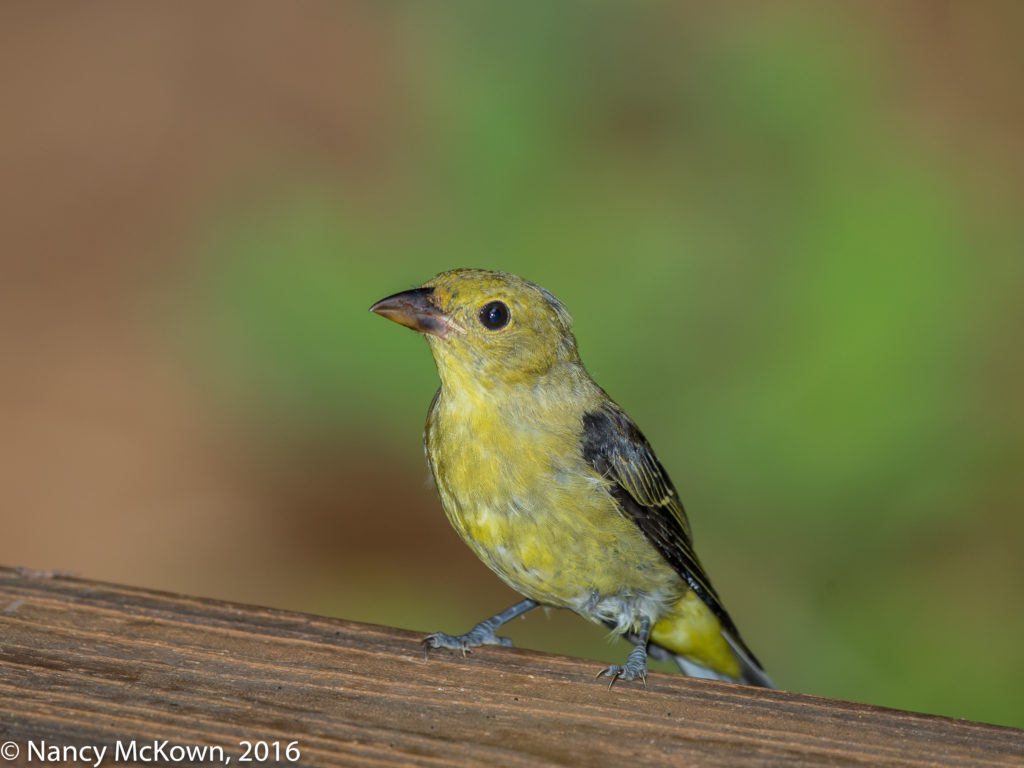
[(636, 663), (481, 634)]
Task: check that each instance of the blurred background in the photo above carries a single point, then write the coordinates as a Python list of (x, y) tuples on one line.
[(790, 234)]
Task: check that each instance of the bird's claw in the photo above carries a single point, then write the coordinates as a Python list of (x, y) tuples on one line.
[(620, 672), (635, 668), (461, 643), (477, 636)]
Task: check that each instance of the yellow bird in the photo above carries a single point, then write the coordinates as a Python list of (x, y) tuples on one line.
[(553, 486)]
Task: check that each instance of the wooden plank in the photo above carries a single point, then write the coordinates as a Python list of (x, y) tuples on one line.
[(86, 664)]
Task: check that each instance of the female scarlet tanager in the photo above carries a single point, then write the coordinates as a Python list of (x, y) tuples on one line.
[(553, 486)]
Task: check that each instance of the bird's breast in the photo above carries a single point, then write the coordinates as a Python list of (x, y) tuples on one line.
[(515, 486)]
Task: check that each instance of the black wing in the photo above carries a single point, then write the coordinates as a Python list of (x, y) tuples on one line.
[(617, 449)]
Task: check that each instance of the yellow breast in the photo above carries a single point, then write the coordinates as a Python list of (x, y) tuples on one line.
[(514, 484)]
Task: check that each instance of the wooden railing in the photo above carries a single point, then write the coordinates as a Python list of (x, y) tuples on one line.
[(152, 677)]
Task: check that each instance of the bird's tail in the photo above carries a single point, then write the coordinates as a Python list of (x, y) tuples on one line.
[(704, 645), (750, 671)]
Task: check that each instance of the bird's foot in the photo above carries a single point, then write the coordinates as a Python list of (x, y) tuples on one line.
[(481, 634), (634, 668)]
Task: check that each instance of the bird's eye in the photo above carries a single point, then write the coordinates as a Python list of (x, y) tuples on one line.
[(494, 315)]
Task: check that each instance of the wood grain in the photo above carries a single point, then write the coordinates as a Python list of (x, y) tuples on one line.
[(84, 663)]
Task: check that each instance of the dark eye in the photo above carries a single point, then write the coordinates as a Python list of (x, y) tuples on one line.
[(494, 315)]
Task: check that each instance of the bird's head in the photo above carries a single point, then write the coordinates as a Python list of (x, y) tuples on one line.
[(485, 326)]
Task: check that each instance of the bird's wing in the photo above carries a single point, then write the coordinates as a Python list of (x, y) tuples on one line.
[(616, 448)]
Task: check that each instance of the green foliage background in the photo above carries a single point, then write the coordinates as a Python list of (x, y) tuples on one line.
[(807, 299)]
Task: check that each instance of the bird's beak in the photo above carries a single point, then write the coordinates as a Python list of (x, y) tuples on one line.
[(416, 309)]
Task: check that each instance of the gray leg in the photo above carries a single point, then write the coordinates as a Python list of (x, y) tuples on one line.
[(636, 663), (481, 634)]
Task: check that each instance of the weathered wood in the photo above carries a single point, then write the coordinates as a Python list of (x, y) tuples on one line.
[(89, 664)]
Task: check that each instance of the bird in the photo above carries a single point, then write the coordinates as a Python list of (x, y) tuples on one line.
[(553, 486)]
